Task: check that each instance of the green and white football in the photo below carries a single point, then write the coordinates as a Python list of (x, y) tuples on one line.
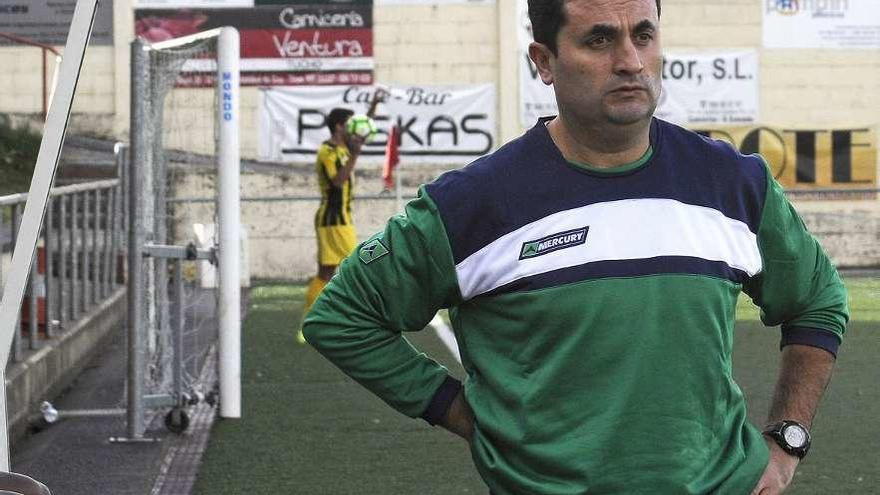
[(361, 125)]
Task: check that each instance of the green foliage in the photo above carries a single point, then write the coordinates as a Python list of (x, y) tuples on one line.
[(19, 146)]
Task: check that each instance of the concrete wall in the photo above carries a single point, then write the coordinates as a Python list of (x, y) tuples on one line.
[(281, 238), (46, 372)]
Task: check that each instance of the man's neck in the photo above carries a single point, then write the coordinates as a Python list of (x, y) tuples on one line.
[(337, 140), (604, 146)]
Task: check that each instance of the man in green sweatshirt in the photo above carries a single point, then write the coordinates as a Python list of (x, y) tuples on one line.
[(591, 268)]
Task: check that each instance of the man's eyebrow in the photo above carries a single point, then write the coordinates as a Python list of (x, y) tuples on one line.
[(603, 30), (643, 26), (612, 30)]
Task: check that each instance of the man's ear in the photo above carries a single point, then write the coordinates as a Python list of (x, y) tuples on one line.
[(542, 57)]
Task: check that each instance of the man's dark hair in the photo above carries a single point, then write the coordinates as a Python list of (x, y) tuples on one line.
[(548, 17), (337, 116)]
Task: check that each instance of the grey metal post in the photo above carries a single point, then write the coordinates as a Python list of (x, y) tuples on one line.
[(84, 246), (114, 236), (48, 238), (177, 327), (16, 339), (63, 278), (33, 313), (107, 251), (122, 157), (140, 95), (74, 258), (96, 261)]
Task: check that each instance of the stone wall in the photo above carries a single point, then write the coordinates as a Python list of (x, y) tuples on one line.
[(281, 239)]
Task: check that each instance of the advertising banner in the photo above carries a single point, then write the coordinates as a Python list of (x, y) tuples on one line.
[(536, 99), (804, 158), (710, 88), (188, 4), (438, 123), (48, 21), (842, 24), (280, 45)]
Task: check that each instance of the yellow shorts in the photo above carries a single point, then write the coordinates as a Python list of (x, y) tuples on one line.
[(335, 243)]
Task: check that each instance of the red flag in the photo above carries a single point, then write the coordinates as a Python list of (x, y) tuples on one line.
[(392, 157)]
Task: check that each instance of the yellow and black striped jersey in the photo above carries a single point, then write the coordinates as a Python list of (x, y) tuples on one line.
[(335, 209)]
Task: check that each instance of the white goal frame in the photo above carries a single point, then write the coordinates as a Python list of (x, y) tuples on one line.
[(227, 115)]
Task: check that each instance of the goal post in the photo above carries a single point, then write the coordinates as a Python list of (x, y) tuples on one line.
[(229, 216), (195, 62)]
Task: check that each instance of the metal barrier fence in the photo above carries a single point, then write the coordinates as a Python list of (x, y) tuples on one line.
[(79, 258)]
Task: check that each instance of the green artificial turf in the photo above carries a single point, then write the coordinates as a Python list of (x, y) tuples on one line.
[(308, 429)]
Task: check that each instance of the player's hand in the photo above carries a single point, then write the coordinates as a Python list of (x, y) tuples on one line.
[(355, 143), (779, 472)]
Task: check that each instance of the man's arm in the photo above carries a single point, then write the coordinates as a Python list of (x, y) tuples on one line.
[(803, 376), (459, 418), (799, 289), (355, 143), (393, 283)]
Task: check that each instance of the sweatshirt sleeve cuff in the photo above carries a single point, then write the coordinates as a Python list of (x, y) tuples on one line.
[(441, 401), (812, 337)]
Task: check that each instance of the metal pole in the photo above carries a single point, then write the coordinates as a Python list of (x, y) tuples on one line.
[(74, 257), (106, 283), (140, 94), (16, 341), (49, 285), (33, 312), (96, 262), (84, 254), (63, 277), (41, 183), (398, 185), (177, 327), (229, 167)]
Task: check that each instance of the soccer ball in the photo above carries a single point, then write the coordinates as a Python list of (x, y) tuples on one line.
[(361, 125)]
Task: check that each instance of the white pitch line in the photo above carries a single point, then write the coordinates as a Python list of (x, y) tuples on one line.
[(446, 336)]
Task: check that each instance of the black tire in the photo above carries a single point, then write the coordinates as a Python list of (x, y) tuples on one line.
[(177, 420)]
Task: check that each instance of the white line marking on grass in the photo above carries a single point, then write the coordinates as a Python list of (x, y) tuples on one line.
[(446, 335)]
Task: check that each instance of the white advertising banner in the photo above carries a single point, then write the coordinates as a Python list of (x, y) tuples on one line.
[(844, 24), (438, 123), (190, 4), (710, 88), (536, 99)]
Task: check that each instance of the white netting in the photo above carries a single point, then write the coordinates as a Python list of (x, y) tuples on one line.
[(181, 131)]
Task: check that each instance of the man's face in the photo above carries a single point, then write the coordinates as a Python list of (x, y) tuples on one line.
[(608, 61)]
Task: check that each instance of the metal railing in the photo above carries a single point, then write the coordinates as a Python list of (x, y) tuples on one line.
[(79, 260)]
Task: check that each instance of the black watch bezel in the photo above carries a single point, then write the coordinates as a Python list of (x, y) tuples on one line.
[(776, 431)]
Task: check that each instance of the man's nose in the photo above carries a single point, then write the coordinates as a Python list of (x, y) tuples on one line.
[(627, 59)]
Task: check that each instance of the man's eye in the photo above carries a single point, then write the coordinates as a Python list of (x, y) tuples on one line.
[(644, 37), (598, 41)]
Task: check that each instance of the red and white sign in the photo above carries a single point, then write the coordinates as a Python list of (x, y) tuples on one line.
[(280, 44)]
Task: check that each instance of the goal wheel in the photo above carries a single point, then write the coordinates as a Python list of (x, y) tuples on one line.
[(177, 420)]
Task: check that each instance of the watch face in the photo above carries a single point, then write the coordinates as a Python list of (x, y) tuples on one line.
[(795, 436)]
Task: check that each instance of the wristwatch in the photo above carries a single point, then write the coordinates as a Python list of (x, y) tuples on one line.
[(793, 437)]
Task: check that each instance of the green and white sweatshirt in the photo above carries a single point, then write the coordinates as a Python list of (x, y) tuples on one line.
[(594, 312)]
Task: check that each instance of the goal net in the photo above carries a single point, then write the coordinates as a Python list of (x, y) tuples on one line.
[(182, 98)]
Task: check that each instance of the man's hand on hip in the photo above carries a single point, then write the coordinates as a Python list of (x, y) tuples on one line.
[(460, 418), (779, 472)]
